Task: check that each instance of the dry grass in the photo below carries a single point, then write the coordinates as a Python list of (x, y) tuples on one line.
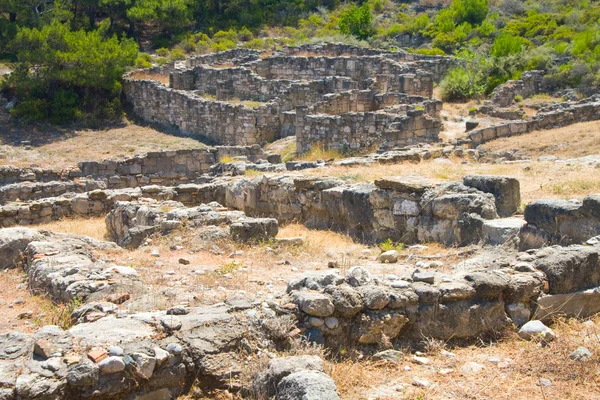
[(521, 365), (93, 227), (538, 179), (16, 299), (64, 149), (572, 141), (142, 76), (321, 153)]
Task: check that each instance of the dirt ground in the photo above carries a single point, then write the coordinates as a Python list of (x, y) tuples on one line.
[(61, 148)]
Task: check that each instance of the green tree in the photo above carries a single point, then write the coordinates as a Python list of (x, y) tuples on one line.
[(356, 21), (63, 73)]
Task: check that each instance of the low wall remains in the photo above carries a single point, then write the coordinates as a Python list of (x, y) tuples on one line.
[(557, 116), (359, 310), (222, 122), (561, 222), (359, 131)]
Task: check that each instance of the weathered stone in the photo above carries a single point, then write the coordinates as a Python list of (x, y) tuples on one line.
[(307, 385), (534, 329), (313, 303)]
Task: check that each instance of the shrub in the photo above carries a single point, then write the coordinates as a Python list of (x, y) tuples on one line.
[(143, 60), (223, 45), (458, 85), (162, 60), (162, 52), (507, 44), (518, 98), (226, 36), (471, 11), (245, 35), (427, 52), (177, 54), (356, 21)]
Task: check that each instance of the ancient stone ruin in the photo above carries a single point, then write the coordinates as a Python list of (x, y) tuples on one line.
[(341, 97), (508, 266)]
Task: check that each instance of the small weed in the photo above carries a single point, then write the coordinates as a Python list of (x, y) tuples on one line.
[(518, 98), (226, 160), (252, 173), (228, 268), (389, 244)]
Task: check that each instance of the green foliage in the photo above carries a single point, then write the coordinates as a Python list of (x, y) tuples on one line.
[(61, 73), (506, 44), (143, 60), (467, 80), (471, 11), (389, 244), (177, 54), (356, 21), (427, 52), (162, 52)]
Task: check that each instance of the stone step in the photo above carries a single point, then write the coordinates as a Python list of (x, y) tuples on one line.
[(498, 231)]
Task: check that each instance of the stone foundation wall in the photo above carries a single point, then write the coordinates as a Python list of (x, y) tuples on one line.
[(359, 309), (562, 114), (401, 78), (370, 100), (531, 83), (10, 174), (224, 123), (561, 222), (364, 130), (437, 65)]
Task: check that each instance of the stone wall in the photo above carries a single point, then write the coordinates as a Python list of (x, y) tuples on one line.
[(224, 123), (161, 167), (360, 310), (561, 222), (437, 65), (360, 131), (10, 174), (559, 115), (401, 78), (369, 100), (531, 83)]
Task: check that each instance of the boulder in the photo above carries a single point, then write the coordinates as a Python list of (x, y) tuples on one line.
[(506, 191), (313, 303), (534, 329), (307, 385), (254, 229), (266, 382), (499, 231), (13, 242)]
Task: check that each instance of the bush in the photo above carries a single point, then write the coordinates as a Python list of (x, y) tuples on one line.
[(162, 61), (245, 35), (458, 85), (471, 11), (356, 21), (162, 52), (427, 52), (223, 45), (177, 55), (143, 60), (507, 44)]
